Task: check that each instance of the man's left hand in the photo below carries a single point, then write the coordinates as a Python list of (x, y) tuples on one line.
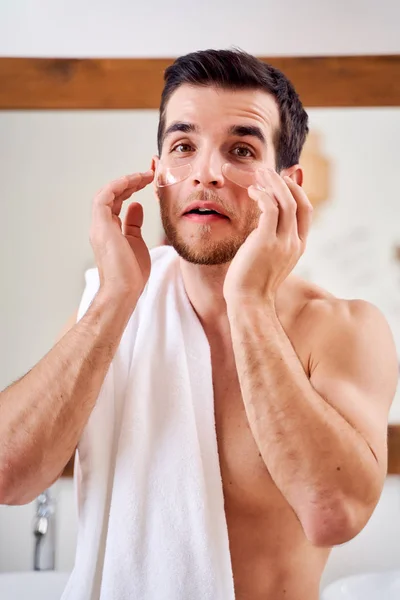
[(273, 249)]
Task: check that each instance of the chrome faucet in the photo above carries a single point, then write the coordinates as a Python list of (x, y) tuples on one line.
[(44, 530)]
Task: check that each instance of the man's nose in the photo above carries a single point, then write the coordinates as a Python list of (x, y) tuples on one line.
[(207, 171)]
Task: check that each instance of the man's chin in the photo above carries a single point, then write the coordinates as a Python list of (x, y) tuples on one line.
[(206, 254)]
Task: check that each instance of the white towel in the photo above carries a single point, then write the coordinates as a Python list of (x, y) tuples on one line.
[(152, 523)]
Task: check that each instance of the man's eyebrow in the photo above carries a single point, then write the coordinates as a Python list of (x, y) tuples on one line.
[(239, 130), (181, 126), (243, 130)]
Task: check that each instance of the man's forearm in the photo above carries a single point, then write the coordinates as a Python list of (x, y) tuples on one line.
[(322, 466), (43, 415)]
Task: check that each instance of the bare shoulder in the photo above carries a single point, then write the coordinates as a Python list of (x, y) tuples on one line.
[(348, 336), (329, 316)]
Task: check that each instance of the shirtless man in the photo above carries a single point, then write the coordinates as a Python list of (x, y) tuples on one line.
[(303, 381)]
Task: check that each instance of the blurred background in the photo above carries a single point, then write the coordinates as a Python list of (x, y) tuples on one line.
[(53, 161)]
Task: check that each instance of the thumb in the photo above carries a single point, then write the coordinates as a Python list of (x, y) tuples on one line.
[(133, 219)]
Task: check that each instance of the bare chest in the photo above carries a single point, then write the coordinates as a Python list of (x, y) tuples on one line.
[(245, 478)]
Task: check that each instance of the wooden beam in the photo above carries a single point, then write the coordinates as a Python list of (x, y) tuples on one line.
[(69, 468), (394, 449), (62, 83)]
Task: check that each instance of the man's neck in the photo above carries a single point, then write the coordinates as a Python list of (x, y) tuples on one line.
[(204, 288)]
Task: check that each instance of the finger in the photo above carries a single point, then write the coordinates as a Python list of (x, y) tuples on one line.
[(126, 194), (269, 210), (106, 202), (117, 204), (287, 223), (304, 209), (115, 189), (133, 220), (118, 221)]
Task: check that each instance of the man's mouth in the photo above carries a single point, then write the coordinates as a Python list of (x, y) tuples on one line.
[(204, 212), (200, 215)]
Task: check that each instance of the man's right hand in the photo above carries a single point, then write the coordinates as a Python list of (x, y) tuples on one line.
[(122, 257)]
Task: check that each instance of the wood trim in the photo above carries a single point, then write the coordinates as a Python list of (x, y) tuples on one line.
[(136, 83), (394, 450), (393, 453), (69, 468)]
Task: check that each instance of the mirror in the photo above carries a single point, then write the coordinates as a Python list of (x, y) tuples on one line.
[(53, 162)]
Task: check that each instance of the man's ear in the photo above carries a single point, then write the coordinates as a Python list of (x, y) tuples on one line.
[(154, 162), (154, 165), (295, 172)]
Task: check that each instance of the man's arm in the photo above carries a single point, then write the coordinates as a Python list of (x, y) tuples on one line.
[(322, 439), (42, 415)]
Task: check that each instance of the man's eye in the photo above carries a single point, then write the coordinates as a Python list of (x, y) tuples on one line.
[(243, 152), (182, 148)]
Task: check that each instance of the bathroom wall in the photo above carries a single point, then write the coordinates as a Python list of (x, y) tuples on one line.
[(264, 27)]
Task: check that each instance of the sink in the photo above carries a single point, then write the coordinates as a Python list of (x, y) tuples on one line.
[(33, 585), (369, 586)]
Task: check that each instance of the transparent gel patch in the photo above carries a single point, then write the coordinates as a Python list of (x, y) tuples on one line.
[(166, 176), (243, 176)]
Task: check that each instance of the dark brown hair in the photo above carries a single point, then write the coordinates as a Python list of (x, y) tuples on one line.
[(238, 70)]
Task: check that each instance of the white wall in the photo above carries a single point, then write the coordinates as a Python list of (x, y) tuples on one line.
[(134, 28), (52, 165)]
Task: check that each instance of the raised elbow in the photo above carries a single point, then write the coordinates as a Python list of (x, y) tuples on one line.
[(11, 497), (12, 490), (335, 523), (6, 495)]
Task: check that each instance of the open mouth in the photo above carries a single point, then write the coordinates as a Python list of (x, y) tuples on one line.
[(204, 214)]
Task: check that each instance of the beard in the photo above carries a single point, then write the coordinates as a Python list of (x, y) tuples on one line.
[(201, 248)]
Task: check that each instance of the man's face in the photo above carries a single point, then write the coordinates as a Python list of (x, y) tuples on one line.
[(208, 128)]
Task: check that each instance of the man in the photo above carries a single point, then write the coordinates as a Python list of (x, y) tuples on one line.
[(302, 381)]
